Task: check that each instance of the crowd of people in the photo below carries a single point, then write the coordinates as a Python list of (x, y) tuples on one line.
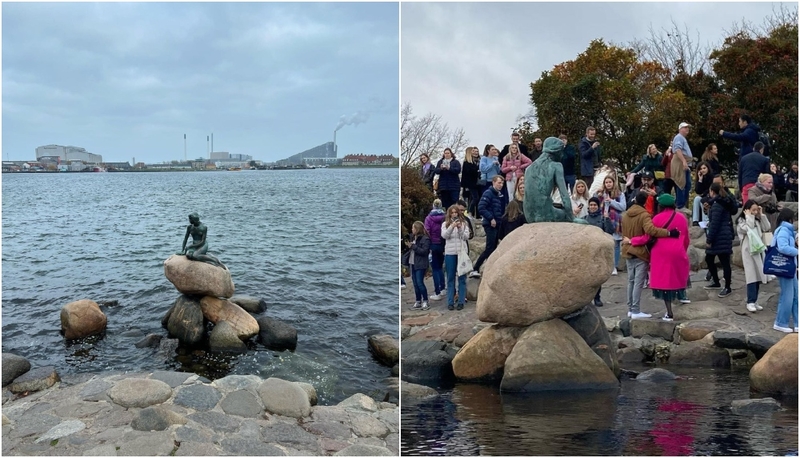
[(636, 210)]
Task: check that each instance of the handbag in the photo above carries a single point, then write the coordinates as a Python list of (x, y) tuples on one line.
[(779, 264), (766, 237), (756, 244), (652, 242), (660, 175), (464, 262)]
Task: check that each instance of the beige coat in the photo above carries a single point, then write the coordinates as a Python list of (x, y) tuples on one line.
[(763, 198), (753, 263)]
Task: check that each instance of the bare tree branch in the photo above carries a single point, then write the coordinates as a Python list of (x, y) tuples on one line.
[(674, 49), (428, 134)]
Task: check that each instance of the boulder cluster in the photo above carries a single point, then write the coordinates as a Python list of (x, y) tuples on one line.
[(207, 297), (545, 336)]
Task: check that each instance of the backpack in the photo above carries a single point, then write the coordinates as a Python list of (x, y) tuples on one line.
[(764, 138)]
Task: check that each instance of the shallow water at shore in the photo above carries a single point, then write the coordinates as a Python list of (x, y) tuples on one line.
[(691, 416), (314, 243)]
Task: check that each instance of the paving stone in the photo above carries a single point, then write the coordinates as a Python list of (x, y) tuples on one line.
[(155, 418), (95, 390), (250, 447), (242, 403), (139, 392), (359, 401), (217, 421), (151, 444), (364, 450), (111, 434), (83, 409), (284, 433), (250, 429), (393, 443), (390, 418), (101, 450), (198, 397), (171, 378), (329, 429), (197, 449), (368, 426), (192, 434), (727, 338), (332, 445), (281, 397), (232, 383), (61, 430), (34, 424)]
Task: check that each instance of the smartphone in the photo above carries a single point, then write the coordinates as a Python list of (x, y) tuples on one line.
[(580, 205)]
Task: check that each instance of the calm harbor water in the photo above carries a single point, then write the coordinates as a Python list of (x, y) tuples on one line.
[(691, 416), (319, 245)]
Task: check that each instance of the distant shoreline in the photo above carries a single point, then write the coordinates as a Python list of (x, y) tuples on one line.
[(200, 170)]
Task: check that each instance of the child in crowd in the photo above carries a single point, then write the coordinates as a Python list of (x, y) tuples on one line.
[(419, 247), (433, 226)]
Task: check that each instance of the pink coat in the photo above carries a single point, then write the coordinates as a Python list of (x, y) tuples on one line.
[(522, 162), (669, 263)]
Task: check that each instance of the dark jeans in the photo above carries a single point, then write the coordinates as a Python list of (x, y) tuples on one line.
[(437, 263), (597, 296), (570, 180), (491, 245), (668, 186), (682, 195), (418, 278), (725, 260), (472, 196), (752, 292), (448, 197)]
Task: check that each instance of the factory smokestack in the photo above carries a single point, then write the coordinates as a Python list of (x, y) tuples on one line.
[(334, 144)]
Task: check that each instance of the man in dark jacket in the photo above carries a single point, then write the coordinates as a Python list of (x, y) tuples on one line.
[(568, 161), (491, 209), (538, 148), (523, 148), (748, 137), (589, 149), (750, 167)]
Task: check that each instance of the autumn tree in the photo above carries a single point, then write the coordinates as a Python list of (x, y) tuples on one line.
[(758, 73), (625, 99)]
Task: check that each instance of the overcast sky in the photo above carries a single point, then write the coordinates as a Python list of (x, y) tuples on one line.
[(472, 63), (129, 79)]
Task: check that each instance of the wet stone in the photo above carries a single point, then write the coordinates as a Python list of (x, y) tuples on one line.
[(198, 397)]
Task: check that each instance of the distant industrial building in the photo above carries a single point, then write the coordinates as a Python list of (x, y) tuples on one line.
[(367, 159), (324, 154), (68, 154)]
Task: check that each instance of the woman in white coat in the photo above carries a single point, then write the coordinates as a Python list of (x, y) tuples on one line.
[(455, 232), (752, 219)]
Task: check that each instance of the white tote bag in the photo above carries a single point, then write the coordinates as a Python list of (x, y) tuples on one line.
[(464, 263)]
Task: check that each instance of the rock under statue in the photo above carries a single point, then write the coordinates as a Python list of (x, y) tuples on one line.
[(198, 250), (541, 178)]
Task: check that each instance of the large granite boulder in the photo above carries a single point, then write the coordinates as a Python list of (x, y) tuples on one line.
[(198, 278), (223, 338), (590, 325), (216, 310), (275, 334), (37, 379), (82, 318), (528, 278), (251, 304), (426, 362), (551, 356), (385, 349), (13, 367), (484, 356), (186, 320), (776, 371)]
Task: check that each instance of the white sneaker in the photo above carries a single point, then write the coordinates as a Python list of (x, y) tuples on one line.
[(435, 297), (425, 305), (667, 317), (629, 314), (402, 286), (417, 305), (614, 272), (640, 315), (751, 307), (474, 274), (781, 328), (685, 301), (795, 329), (758, 307)]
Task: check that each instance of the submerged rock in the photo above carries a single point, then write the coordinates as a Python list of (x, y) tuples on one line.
[(223, 338), (776, 372), (755, 406), (276, 335), (186, 320), (656, 375), (250, 304), (385, 349), (82, 318)]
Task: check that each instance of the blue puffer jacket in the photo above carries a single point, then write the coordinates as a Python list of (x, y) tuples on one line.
[(448, 178), (784, 239), (488, 168), (748, 138), (720, 231), (491, 206)]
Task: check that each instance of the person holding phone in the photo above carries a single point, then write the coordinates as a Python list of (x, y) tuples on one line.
[(455, 232), (580, 199), (448, 168)]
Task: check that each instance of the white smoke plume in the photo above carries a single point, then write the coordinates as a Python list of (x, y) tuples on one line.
[(376, 105)]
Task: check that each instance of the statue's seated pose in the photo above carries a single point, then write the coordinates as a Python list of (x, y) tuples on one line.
[(197, 251), (545, 174)]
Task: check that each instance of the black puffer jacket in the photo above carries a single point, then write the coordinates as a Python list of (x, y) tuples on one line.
[(720, 232), (470, 174)]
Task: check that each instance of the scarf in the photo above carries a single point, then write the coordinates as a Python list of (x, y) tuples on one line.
[(426, 167)]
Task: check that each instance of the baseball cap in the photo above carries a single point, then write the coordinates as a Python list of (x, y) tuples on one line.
[(684, 124)]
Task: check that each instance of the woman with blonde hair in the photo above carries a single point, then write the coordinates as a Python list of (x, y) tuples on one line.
[(764, 195), (419, 246), (613, 203), (580, 199), (514, 165), (455, 233)]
